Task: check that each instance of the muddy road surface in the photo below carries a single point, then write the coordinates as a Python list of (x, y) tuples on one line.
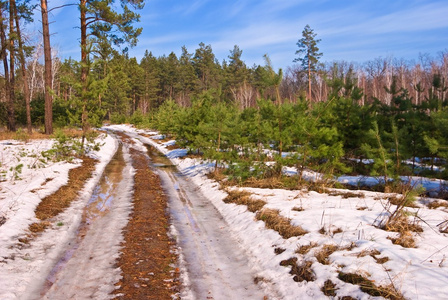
[(169, 241), (216, 266)]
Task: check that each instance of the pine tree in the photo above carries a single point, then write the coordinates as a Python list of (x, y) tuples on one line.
[(151, 82), (309, 53), (101, 22)]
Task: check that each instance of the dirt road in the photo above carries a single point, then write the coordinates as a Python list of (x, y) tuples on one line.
[(216, 266), (132, 212)]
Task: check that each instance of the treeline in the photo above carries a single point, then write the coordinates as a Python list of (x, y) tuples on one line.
[(122, 85), (332, 137)]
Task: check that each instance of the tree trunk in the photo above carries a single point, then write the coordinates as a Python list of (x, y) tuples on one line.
[(26, 90), (84, 69), (12, 95), (4, 58), (309, 80), (48, 69)]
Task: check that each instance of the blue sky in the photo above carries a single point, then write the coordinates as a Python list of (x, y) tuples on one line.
[(349, 30)]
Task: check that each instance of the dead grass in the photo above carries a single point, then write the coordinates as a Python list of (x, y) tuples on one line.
[(54, 204), (399, 222), (298, 208), (404, 239), (436, 204), (368, 287), (273, 220), (279, 250), (329, 288), (266, 183), (304, 249), (373, 253), (243, 198), (337, 230), (301, 272), (39, 226), (346, 194), (323, 255), (399, 200), (8, 135)]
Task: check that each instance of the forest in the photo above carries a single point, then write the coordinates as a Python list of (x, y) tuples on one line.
[(324, 116)]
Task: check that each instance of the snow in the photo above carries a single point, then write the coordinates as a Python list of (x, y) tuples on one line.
[(418, 273), (21, 269)]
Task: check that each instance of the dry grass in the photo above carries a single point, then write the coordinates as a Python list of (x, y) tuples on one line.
[(39, 226), (337, 230), (436, 204), (399, 222), (346, 194), (279, 250), (304, 249), (266, 183), (55, 203), (400, 200), (298, 208), (273, 220), (373, 253), (404, 239), (368, 287), (329, 288), (322, 230), (301, 272), (8, 135), (243, 198), (323, 255)]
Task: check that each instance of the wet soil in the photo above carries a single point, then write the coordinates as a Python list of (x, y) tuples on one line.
[(147, 260)]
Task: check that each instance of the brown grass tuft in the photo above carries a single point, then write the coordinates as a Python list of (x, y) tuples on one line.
[(298, 208), (279, 250), (302, 272), (329, 288), (404, 239), (368, 287), (346, 194), (437, 204), (39, 226), (273, 220), (337, 230), (323, 255), (304, 249), (373, 253), (243, 198)]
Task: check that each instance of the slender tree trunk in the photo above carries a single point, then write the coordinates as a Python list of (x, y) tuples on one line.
[(309, 79), (48, 69), (12, 95), (84, 69), (26, 90), (4, 57)]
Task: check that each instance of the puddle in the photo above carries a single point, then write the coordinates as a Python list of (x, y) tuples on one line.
[(98, 205), (159, 160)]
